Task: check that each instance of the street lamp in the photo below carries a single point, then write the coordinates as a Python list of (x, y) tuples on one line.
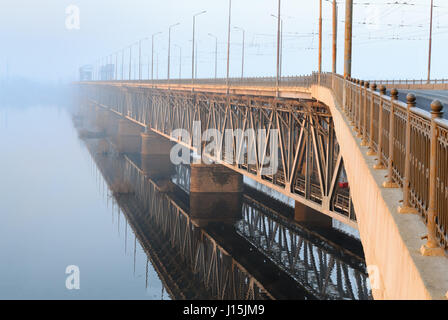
[(180, 60), (430, 41), (152, 54), (278, 47), (335, 33), (169, 48), (130, 61), (140, 58), (216, 54), (228, 46), (116, 65), (281, 43), (193, 43), (149, 66), (320, 36), (122, 64), (242, 56)]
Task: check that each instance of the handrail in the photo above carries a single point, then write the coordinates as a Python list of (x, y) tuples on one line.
[(410, 81), (412, 144)]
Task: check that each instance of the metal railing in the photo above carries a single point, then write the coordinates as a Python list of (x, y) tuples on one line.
[(289, 81), (410, 81), (412, 144)]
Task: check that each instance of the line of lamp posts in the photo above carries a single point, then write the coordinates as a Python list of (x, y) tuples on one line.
[(119, 73), (114, 74)]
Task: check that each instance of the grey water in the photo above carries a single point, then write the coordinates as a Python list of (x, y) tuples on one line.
[(55, 212)]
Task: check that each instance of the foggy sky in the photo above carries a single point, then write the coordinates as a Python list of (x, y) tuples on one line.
[(36, 43)]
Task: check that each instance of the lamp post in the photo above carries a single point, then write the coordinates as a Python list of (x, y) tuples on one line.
[(335, 34), (278, 47), (430, 41), (152, 54), (228, 46), (216, 54), (281, 43), (193, 44), (348, 38), (130, 61), (180, 60), (149, 67), (242, 55), (116, 65), (320, 36), (140, 58), (122, 64), (169, 49)]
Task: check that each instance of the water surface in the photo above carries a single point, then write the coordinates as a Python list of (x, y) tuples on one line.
[(55, 212)]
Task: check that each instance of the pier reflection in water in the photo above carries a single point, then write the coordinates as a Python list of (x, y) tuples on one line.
[(257, 253)]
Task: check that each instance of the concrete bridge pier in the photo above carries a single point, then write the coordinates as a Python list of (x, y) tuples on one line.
[(155, 158), (128, 137), (311, 217), (110, 122), (101, 118), (215, 194), (91, 116)]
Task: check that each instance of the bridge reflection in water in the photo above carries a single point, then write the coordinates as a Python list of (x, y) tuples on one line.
[(258, 254)]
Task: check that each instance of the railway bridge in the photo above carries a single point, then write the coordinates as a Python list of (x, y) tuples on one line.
[(347, 150)]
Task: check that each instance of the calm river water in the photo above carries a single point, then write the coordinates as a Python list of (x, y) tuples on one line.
[(55, 213)]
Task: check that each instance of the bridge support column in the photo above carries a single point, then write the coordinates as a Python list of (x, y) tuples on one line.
[(215, 194), (128, 137), (155, 156), (106, 121), (311, 217)]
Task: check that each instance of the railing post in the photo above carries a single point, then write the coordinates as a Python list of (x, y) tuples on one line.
[(371, 151), (432, 248), (364, 141), (353, 101), (406, 207), (390, 180), (379, 164), (358, 108)]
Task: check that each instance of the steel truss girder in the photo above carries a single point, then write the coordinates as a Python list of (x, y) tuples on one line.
[(309, 159)]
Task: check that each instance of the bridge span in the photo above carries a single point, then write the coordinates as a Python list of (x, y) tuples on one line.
[(392, 154)]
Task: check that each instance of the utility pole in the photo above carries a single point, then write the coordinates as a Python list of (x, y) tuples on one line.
[(149, 67), (140, 60), (228, 46), (130, 61), (430, 41), (242, 55), (152, 54), (278, 47), (320, 36), (180, 60), (348, 38), (193, 46), (335, 34), (281, 43), (281, 47), (116, 65), (216, 54), (169, 49), (196, 63), (122, 64), (157, 66)]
